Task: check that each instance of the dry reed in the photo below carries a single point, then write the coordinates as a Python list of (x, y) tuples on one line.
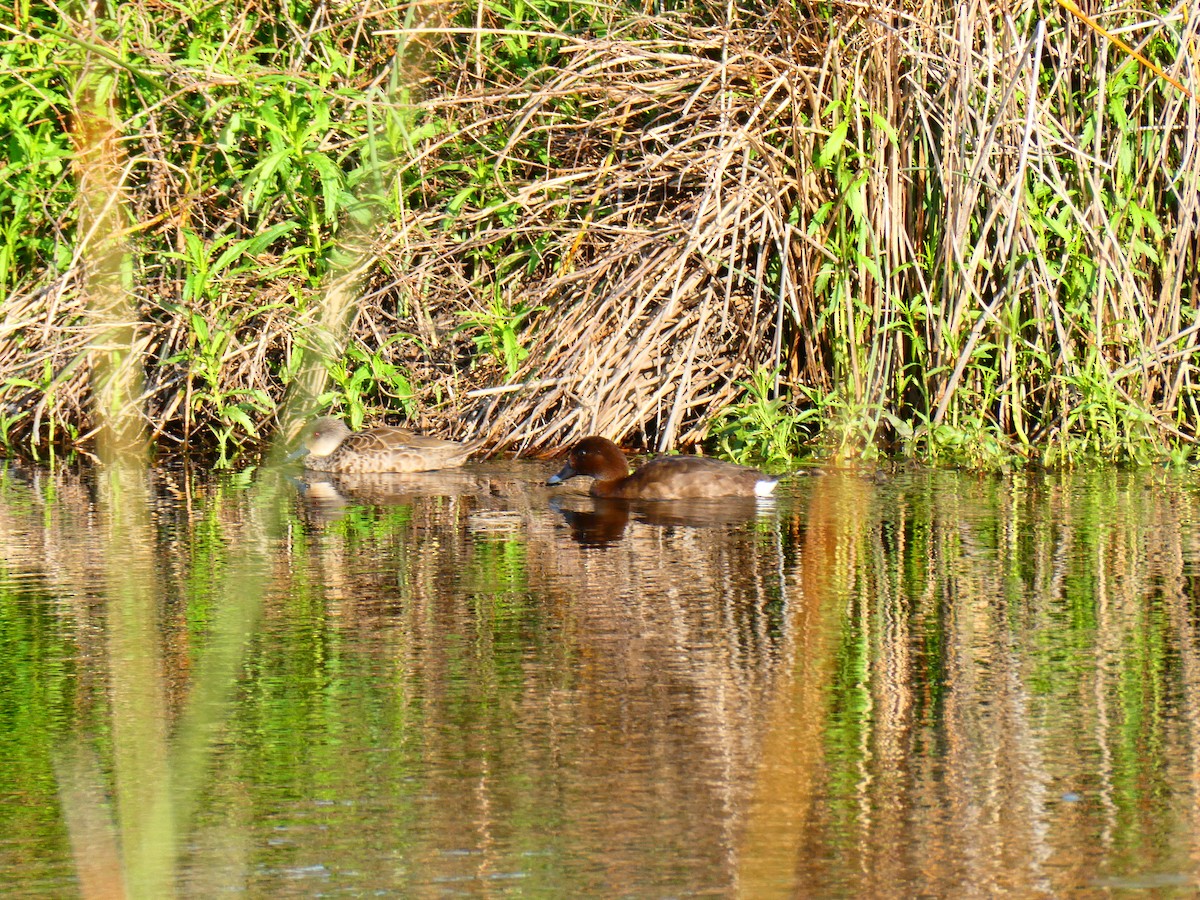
[(934, 224)]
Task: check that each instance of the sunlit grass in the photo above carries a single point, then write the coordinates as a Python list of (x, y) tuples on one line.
[(966, 240), (160, 756)]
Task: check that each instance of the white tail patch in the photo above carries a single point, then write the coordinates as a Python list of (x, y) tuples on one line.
[(763, 488)]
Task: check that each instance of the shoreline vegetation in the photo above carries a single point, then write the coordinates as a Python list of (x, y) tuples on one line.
[(961, 235)]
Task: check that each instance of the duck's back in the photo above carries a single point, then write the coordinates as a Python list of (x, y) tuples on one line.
[(689, 478), (391, 449)]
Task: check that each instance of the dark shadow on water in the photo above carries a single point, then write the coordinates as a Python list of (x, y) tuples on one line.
[(599, 522)]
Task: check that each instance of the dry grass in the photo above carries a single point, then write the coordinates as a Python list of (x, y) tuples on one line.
[(941, 226)]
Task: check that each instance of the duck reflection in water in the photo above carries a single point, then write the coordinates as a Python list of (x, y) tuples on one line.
[(600, 521), (328, 495)]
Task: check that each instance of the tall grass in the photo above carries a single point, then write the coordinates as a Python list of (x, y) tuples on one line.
[(963, 234)]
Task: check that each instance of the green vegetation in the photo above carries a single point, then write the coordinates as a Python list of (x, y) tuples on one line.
[(963, 239), (760, 428)]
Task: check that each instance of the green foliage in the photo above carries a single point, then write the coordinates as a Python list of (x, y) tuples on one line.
[(1007, 282), (229, 414), (761, 428), (1102, 424), (367, 381), (205, 271), (291, 124), (35, 194), (971, 442), (496, 332), (51, 428)]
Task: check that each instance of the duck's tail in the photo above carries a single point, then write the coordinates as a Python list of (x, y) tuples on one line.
[(764, 486)]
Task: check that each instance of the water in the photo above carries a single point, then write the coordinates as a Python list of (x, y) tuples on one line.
[(468, 684)]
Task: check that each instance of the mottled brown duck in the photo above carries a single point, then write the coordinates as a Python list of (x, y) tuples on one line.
[(329, 446)]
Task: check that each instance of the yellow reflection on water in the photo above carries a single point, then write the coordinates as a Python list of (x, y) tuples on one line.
[(791, 755), (140, 729)]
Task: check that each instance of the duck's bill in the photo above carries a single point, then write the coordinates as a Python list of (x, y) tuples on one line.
[(562, 475)]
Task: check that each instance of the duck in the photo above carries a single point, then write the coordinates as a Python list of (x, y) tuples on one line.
[(329, 446), (664, 478)]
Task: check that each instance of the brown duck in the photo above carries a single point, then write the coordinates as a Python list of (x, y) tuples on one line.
[(329, 446), (665, 478)]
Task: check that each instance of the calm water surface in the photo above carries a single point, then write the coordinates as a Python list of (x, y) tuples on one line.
[(466, 684)]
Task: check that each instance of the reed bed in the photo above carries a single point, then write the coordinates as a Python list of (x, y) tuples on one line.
[(966, 234)]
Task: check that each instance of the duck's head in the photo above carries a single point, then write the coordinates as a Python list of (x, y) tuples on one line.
[(322, 437), (595, 456)]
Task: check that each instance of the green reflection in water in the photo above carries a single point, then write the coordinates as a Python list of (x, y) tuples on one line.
[(39, 677), (1007, 644), (941, 686)]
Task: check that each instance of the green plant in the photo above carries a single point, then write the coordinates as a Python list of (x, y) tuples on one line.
[(1103, 424), (35, 197), (231, 411), (209, 265), (294, 123), (367, 381), (761, 427), (496, 332)]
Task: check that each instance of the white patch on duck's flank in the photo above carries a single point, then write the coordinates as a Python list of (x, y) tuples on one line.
[(763, 488)]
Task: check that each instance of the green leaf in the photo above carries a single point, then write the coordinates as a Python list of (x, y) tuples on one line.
[(200, 326), (253, 246), (237, 414), (833, 144), (856, 196), (262, 178), (331, 183)]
